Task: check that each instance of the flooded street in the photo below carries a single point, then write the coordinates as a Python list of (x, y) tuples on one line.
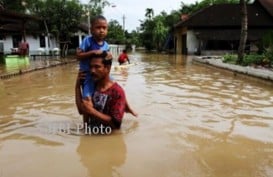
[(194, 121)]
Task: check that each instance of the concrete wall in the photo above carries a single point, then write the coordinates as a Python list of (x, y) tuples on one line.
[(178, 36), (116, 49), (7, 42), (192, 42)]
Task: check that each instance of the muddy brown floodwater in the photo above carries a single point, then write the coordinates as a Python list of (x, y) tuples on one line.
[(194, 121)]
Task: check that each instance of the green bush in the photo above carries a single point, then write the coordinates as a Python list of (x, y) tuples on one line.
[(228, 58), (265, 59), (269, 56), (253, 59)]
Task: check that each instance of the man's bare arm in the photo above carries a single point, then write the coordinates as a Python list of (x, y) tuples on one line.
[(104, 118)]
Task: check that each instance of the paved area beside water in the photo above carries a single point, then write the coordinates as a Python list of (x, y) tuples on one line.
[(262, 73)]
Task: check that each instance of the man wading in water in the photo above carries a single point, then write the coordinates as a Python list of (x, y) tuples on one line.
[(108, 99)]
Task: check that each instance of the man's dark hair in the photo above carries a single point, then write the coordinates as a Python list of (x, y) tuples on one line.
[(96, 18), (105, 61)]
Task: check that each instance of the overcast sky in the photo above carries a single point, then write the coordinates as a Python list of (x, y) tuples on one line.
[(134, 10)]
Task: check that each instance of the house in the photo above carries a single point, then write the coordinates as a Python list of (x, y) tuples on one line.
[(217, 28), (15, 27)]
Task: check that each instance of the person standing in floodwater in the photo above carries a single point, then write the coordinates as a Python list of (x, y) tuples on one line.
[(109, 97), (23, 48), (94, 45), (123, 57)]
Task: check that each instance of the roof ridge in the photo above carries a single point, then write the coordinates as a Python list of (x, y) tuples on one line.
[(267, 4)]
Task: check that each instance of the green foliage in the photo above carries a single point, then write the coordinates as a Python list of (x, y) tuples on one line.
[(228, 58), (160, 32), (155, 29), (115, 33), (95, 7), (15, 5), (253, 59), (267, 39), (63, 19), (149, 13), (61, 16), (269, 55), (134, 37), (171, 19)]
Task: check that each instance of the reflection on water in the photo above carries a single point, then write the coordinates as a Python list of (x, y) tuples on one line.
[(193, 120), (14, 63), (102, 155)]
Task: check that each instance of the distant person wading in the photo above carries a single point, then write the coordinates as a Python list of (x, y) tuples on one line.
[(123, 58)]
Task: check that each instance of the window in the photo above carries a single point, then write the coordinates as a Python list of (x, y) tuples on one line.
[(221, 45), (16, 39), (42, 41)]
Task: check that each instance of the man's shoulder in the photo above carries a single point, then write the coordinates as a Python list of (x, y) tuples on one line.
[(117, 88)]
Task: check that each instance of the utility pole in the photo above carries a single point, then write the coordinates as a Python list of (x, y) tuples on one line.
[(123, 20), (88, 21)]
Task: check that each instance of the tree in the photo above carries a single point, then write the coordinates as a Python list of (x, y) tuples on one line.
[(133, 38), (115, 33), (243, 37), (149, 13), (95, 7), (160, 32), (62, 17)]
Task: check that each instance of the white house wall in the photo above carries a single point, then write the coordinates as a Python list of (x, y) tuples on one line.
[(192, 42), (34, 44), (53, 43), (7, 44)]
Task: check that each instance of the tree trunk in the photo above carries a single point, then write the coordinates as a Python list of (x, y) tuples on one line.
[(243, 38)]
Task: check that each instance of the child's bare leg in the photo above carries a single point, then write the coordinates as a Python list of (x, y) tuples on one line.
[(129, 109)]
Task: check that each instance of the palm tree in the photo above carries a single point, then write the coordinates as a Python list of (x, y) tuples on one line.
[(149, 13), (243, 38)]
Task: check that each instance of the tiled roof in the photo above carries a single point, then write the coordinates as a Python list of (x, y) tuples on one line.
[(267, 4), (11, 21), (228, 15)]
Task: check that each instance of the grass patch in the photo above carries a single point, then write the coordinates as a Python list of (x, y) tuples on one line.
[(228, 58), (249, 60)]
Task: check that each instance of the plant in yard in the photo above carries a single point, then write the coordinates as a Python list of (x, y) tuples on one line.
[(253, 59), (229, 58), (269, 56)]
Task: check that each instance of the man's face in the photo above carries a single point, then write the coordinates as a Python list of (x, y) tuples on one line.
[(99, 29), (98, 70)]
